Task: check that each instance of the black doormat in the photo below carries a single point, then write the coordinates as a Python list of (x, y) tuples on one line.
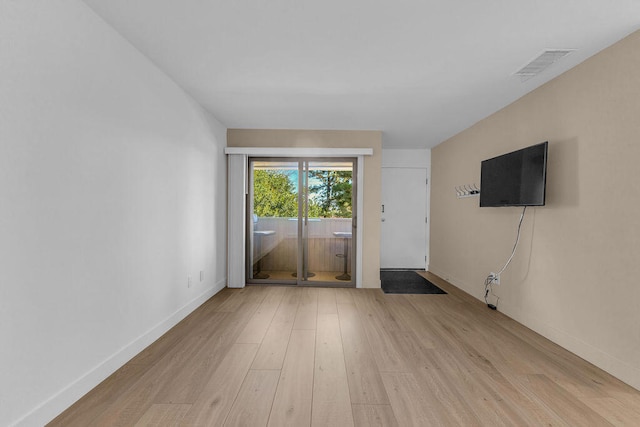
[(407, 282)]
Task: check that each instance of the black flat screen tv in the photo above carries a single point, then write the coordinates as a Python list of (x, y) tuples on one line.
[(518, 178)]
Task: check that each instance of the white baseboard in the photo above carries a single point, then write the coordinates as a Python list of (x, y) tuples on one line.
[(56, 404), (608, 363), (605, 361), (452, 280)]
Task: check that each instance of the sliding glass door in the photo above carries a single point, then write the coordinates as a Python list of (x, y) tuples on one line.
[(300, 223)]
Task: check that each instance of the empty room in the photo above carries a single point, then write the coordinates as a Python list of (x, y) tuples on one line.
[(300, 213)]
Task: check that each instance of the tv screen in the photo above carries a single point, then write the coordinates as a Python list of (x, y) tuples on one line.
[(515, 179)]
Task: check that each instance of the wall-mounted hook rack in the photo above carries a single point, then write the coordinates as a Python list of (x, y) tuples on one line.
[(467, 190)]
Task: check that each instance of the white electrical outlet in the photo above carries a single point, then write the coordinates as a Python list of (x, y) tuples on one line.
[(189, 282), (201, 275), (495, 278)]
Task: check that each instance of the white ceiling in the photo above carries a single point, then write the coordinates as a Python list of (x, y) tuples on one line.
[(418, 70)]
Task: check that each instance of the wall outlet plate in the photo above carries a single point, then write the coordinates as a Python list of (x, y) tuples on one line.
[(189, 282), (495, 278)]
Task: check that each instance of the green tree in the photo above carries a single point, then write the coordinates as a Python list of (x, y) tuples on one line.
[(331, 192), (274, 195)]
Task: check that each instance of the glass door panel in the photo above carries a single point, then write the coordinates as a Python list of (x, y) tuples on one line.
[(272, 223), (300, 223), (328, 229)]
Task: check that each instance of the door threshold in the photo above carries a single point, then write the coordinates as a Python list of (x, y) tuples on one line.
[(306, 285)]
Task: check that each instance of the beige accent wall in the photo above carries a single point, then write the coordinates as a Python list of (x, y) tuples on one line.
[(372, 173), (576, 275)]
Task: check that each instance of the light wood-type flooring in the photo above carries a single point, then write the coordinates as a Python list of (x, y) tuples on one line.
[(286, 356)]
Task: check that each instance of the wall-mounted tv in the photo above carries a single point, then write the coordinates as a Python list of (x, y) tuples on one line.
[(518, 178)]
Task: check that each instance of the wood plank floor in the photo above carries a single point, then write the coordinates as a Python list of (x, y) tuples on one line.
[(286, 356)]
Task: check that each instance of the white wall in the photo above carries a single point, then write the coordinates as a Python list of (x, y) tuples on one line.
[(406, 158), (112, 192)]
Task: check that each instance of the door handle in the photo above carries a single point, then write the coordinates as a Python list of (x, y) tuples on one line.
[(382, 208)]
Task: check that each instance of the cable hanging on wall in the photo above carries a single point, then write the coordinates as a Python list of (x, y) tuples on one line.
[(494, 278), (467, 190)]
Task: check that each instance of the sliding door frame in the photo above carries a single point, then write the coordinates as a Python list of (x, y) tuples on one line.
[(238, 189), (302, 240)]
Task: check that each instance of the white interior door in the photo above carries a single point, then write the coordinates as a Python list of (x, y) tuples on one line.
[(404, 227)]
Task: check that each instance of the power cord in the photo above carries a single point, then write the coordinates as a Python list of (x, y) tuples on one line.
[(488, 289), (491, 278)]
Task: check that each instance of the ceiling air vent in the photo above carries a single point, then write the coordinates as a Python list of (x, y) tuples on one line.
[(541, 63)]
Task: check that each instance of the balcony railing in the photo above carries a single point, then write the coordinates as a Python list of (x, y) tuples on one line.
[(279, 251)]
